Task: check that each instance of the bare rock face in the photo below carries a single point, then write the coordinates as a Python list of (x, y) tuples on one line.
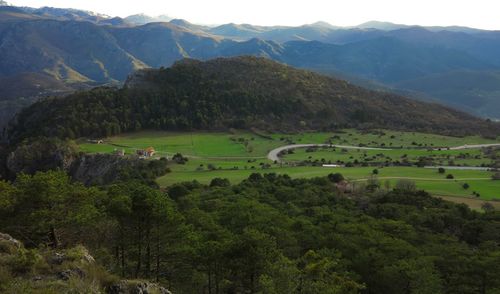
[(53, 154), (41, 155), (99, 168)]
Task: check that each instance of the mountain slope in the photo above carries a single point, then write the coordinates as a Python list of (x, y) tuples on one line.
[(477, 91), (386, 60), (240, 92), (161, 44), (72, 51)]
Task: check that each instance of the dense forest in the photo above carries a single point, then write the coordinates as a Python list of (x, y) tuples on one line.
[(268, 234), (240, 92)]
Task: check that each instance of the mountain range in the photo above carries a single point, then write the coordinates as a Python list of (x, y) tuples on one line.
[(53, 51)]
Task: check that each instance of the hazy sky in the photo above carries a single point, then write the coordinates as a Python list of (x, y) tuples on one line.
[(477, 13)]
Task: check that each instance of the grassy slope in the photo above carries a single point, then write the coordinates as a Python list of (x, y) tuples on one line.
[(230, 151)]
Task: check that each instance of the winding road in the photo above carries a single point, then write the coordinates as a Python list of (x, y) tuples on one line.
[(473, 146), (274, 154)]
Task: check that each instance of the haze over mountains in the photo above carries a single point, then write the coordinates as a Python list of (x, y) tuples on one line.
[(52, 51)]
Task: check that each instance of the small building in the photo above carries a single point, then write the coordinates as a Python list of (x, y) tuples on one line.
[(148, 152), (97, 141)]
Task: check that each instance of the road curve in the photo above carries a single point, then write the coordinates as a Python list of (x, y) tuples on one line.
[(473, 146), (479, 168), (273, 154)]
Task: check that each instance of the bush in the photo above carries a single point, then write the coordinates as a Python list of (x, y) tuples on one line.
[(336, 177), (179, 159), (441, 170), (219, 182), (450, 177), (465, 186), (375, 172)]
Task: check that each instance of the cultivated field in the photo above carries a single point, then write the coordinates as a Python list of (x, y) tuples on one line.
[(237, 154)]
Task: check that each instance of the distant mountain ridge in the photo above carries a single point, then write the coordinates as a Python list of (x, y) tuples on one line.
[(76, 47)]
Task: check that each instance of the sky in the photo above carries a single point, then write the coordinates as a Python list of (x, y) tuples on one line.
[(482, 14)]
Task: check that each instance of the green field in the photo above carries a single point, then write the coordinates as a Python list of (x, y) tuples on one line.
[(470, 157), (238, 154)]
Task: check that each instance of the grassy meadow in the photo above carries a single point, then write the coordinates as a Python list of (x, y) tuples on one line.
[(235, 155)]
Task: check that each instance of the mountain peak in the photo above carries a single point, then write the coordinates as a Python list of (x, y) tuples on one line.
[(381, 25), (141, 18), (323, 24)]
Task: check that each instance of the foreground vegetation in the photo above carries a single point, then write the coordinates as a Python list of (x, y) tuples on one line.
[(268, 234)]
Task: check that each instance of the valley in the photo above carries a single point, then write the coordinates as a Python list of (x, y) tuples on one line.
[(146, 154), (395, 155)]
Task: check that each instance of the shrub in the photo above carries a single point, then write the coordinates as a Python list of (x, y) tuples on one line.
[(24, 261), (441, 170), (336, 177), (450, 177), (219, 182), (465, 186), (179, 159)]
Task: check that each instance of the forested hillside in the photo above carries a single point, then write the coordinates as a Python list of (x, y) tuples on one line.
[(241, 92), (269, 234)]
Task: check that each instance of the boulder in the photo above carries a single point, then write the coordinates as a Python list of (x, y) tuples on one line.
[(67, 274), (8, 244)]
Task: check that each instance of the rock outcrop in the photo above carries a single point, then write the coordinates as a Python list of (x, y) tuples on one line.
[(42, 155), (8, 244), (101, 169), (73, 270), (136, 287)]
